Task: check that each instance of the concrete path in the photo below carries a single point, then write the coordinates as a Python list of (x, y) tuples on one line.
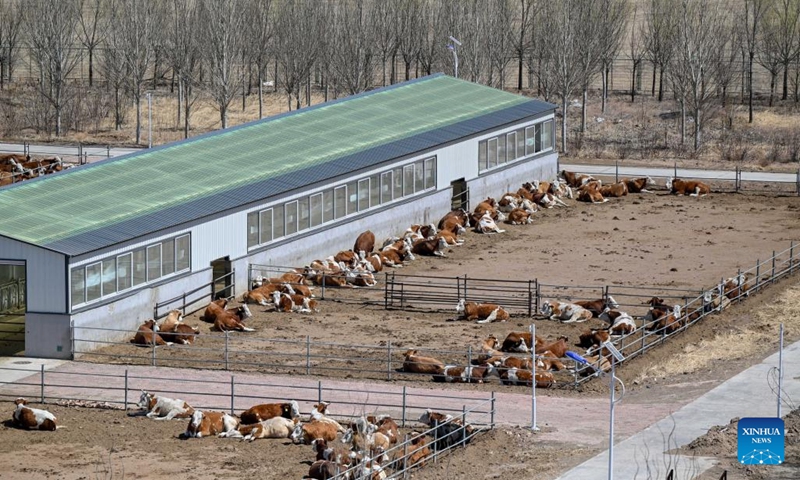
[(746, 395), (611, 170)]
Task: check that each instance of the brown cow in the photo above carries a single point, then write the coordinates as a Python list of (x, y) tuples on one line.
[(365, 243), (265, 411), (418, 364), (32, 418), (515, 376), (597, 306), (519, 216), (486, 312), (638, 185), (614, 190), (558, 348), (520, 342), (146, 335), (464, 374), (576, 180), (308, 432), (591, 193), (458, 219), (430, 247), (208, 423), (228, 320), (693, 188)]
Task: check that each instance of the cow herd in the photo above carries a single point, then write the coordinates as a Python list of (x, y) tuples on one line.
[(16, 168)]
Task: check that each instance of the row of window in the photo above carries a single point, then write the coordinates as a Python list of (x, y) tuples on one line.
[(334, 203), (511, 146), (122, 272)]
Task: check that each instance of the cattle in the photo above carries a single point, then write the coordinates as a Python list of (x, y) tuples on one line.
[(660, 318), (638, 185), (616, 190), (431, 418), (736, 287), (592, 338), (417, 453), (558, 348), (230, 320), (365, 243), (449, 434), (387, 426), (457, 219), (164, 408), (504, 363), (173, 318), (560, 189), (483, 312), (347, 257), (324, 470), (519, 216), (293, 303), (276, 427), (182, 333), (487, 225), (464, 374), (515, 376), (338, 454), (414, 363), (620, 322), (146, 335), (360, 276), (591, 193), (430, 247), (565, 312), (31, 418), (509, 202), (520, 342), (488, 349), (576, 180), (206, 424), (597, 306), (450, 238), (262, 295), (419, 232), (375, 261), (308, 432), (365, 438), (596, 364), (693, 188), (318, 414), (265, 411), (548, 361), (713, 301), (548, 200)]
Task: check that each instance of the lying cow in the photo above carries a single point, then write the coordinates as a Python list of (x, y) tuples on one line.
[(565, 312), (265, 411), (164, 408), (616, 190), (418, 364), (693, 188), (483, 312), (591, 193), (308, 432), (514, 376), (519, 216), (487, 225), (31, 418), (206, 424), (430, 247), (520, 342), (598, 306), (276, 427), (638, 185), (621, 323), (576, 180), (462, 374)]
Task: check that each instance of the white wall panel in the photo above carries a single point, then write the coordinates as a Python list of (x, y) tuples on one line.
[(46, 275)]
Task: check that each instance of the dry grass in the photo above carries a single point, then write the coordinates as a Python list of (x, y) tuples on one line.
[(753, 340)]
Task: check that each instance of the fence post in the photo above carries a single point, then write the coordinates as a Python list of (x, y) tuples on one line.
[(42, 385), (389, 360), (464, 424), (319, 391), (108, 151), (491, 413), (406, 466), (322, 287), (466, 294), (126, 389), (233, 392), (183, 308), (773, 266), (469, 355), (758, 275), (538, 295), (403, 421), (616, 171), (530, 297), (675, 170), (153, 360), (308, 355), (226, 349), (739, 291), (386, 291), (797, 182)]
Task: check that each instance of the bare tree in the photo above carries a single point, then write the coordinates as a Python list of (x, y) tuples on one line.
[(703, 28), (10, 23), (614, 16), (659, 39), (521, 32), (382, 12), (260, 41), (768, 48), (183, 47), (131, 31), (468, 24), (92, 28), (114, 69), (299, 31), (785, 22), (433, 34), (588, 32), (636, 53), (727, 60), (352, 54), (408, 32), (754, 11), (51, 27), (222, 27), (497, 40)]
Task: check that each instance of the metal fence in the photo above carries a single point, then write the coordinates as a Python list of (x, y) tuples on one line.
[(79, 153), (196, 299), (12, 315), (323, 288)]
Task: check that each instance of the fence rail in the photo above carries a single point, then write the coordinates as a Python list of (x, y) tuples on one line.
[(187, 302)]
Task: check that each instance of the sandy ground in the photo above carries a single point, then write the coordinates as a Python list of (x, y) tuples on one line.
[(656, 240)]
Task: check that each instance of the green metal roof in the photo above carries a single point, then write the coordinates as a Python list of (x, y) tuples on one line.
[(52, 209)]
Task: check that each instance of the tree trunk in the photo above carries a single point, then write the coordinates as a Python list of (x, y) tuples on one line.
[(408, 69), (289, 100), (683, 123), (583, 109), (653, 92), (603, 95), (138, 102), (275, 79), (187, 110), (750, 89), (520, 65), (724, 96), (91, 66), (564, 124), (383, 69), (785, 94), (244, 94), (223, 116), (180, 103), (697, 113), (772, 78), (260, 92), (661, 83), (633, 82), (117, 112), (308, 91), (393, 70)]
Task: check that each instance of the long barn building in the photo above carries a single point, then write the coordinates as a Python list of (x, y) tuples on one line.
[(100, 245)]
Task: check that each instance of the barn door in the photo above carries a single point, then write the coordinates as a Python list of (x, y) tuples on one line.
[(12, 307), (221, 269), (460, 195)]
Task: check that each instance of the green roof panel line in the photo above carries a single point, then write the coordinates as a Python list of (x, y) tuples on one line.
[(89, 198)]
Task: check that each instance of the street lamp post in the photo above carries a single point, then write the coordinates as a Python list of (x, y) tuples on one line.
[(454, 48), (149, 119)]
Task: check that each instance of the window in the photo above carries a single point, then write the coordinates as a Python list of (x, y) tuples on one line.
[(183, 253), (109, 278), (375, 190), (302, 214), (529, 140), (538, 138), (153, 262), (547, 135), (123, 272), (511, 146), (340, 201), (482, 165), (430, 173), (78, 285), (501, 150), (265, 219), (327, 205), (316, 209), (363, 194), (291, 218), (386, 187), (520, 143), (93, 290), (419, 176), (252, 229), (278, 227), (492, 152), (398, 183), (408, 180), (352, 197), (139, 267)]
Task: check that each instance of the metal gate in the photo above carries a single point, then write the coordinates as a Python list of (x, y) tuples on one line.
[(12, 314)]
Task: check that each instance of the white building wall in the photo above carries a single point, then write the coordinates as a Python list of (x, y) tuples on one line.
[(45, 275)]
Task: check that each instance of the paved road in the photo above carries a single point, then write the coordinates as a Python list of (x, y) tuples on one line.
[(610, 170), (746, 395), (67, 152)]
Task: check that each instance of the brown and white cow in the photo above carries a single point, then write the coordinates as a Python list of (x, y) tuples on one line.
[(418, 451), (347, 257), (597, 306), (308, 432), (339, 453), (147, 335), (319, 414), (164, 408), (661, 318), (638, 185), (509, 202), (365, 244), (565, 312), (519, 216), (31, 418), (265, 411), (557, 348), (415, 363), (576, 180), (616, 190), (693, 188), (621, 323), (483, 312), (386, 425), (592, 338), (465, 374), (590, 192), (487, 225), (520, 342), (430, 247), (548, 200), (456, 221), (515, 376), (293, 303), (450, 238), (208, 423), (737, 286), (276, 427), (230, 320)]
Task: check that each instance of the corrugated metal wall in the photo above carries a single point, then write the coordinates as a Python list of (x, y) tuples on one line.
[(46, 275)]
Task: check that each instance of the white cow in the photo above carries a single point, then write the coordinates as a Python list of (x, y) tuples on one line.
[(163, 408)]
